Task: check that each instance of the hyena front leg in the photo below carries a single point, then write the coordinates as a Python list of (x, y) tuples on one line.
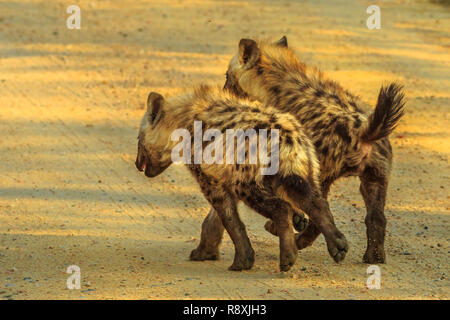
[(225, 205), (211, 237), (373, 189)]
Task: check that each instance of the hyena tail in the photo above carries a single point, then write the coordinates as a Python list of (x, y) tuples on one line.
[(387, 113)]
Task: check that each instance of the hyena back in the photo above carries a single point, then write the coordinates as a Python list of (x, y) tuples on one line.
[(294, 187), (348, 142)]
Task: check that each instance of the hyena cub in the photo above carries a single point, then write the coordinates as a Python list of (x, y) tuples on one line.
[(274, 194), (347, 141)]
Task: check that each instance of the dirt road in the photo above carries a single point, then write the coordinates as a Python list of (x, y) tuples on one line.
[(70, 105)]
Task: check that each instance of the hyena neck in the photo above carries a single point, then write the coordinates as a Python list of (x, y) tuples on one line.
[(183, 108)]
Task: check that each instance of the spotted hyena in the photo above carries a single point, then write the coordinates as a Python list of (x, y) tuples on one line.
[(348, 142), (293, 187)]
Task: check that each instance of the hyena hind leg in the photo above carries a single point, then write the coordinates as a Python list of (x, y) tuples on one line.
[(306, 197), (373, 189)]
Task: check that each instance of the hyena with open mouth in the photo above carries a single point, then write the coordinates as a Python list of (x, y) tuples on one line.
[(293, 187), (347, 141)]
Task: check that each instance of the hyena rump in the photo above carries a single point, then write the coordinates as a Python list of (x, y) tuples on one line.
[(348, 142), (294, 187)]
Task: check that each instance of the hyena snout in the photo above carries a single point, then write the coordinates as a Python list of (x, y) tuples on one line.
[(151, 168), (141, 162)]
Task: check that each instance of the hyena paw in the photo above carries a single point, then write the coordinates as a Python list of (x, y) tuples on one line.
[(374, 255), (243, 263), (300, 222), (287, 261), (202, 255), (338, 248)]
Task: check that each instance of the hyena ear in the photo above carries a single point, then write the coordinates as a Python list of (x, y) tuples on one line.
[(248, 53), (282, 42), (155, 103)]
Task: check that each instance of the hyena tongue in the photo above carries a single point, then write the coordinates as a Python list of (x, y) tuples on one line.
[(143, 165)]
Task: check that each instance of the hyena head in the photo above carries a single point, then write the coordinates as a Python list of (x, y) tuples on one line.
[(244, 76), (154, 145)]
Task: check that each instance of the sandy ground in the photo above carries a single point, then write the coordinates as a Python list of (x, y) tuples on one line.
[(70, 105)]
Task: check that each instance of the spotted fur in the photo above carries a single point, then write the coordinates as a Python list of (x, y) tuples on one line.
[(225, 184), (348, 142)]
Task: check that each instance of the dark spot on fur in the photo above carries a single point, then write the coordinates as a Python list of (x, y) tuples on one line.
[(319, 93), (337, 99), (314, 116), (318, 126), (381, 150), (227, 109), (332, 121), (303, 85), (324, 151), (273, 118), (259, 70), (318, 144), (357, 122), (292, 100), (300, 105), (289, 141), (342, 131), (275, 90)]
